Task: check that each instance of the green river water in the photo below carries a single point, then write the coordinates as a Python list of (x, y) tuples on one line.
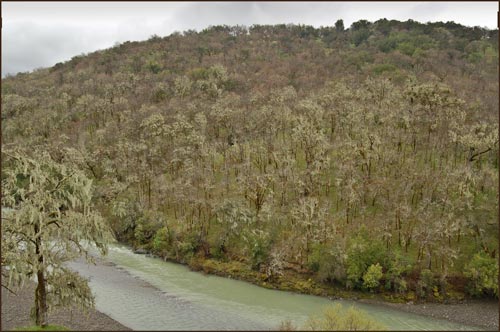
[(147, 293)]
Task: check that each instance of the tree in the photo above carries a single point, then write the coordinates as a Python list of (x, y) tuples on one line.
[(339, 25), (371, 279), (483, 273), (50, 221)]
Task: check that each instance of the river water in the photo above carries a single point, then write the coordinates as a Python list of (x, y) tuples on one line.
[(147, 293)]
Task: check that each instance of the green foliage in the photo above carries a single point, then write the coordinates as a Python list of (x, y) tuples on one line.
[(259, 247), (335, 318), (187, 247), (162, 241), (339, 25), (406, 43), (483, 274), (362, 253), (426, 283), (153, 66), (146, 227), (387, 44), (359, 36), (371, 279), (385, 67), (127, 212), (399, 266), (327, 262)]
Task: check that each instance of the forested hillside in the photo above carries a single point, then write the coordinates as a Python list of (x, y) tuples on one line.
[(355, 158)]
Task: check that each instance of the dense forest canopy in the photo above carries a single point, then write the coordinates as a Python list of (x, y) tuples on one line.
[(365, 157)]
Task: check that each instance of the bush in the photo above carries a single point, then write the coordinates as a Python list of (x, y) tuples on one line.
[(363, 252), (426, 284), (371, 279), (162, 241), (217, 242), (260, 247), (328, 262), (335, 319), (188, 246), (146, 227), (360, 36), (385, 67), (153, 66), (482, 272), (159, 94), (387, 44), (407, 48), (398, 267)]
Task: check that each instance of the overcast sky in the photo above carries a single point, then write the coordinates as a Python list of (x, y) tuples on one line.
[(40, 34)]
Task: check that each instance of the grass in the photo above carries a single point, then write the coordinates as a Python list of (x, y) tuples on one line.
[(39, 328)]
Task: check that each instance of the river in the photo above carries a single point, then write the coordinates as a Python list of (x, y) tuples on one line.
[(147, 293)]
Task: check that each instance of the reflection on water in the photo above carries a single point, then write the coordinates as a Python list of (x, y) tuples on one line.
[(149, 294)]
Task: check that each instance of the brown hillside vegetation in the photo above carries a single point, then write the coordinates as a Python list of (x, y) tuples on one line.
[(364, 158)]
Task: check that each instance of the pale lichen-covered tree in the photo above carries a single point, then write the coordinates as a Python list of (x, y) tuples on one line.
[(50, 221)]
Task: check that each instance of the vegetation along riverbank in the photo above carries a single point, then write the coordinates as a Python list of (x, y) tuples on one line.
[(457, 308)]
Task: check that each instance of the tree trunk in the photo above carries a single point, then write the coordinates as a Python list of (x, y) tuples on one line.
[(41, 289), (41, 301)]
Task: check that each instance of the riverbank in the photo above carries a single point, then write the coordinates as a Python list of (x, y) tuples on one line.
[(147, 293), (124, 285), (481, 313), (16, 314)]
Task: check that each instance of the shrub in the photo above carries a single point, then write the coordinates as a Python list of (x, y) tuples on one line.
[(398, 267), (328, 262), (162, 241), (146, 227), (187, 247), (153, 66), (260, 246), (360, 36), (385, 67), (426, 283), (363, 252), (335, 319), (159, 94), (482, 272), (387, 44), (407, 48), (217, 242), (371, 279)]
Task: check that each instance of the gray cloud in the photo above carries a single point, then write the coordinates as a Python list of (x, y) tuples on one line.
[(44, 33)]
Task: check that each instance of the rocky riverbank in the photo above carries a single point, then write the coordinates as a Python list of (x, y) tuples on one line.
[(480, 313), (16, 313)]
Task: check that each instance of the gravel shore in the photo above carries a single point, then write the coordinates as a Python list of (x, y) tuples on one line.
[(480, 313), (16, 313)]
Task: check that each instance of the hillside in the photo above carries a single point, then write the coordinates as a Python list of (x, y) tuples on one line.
[(363, 158)]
